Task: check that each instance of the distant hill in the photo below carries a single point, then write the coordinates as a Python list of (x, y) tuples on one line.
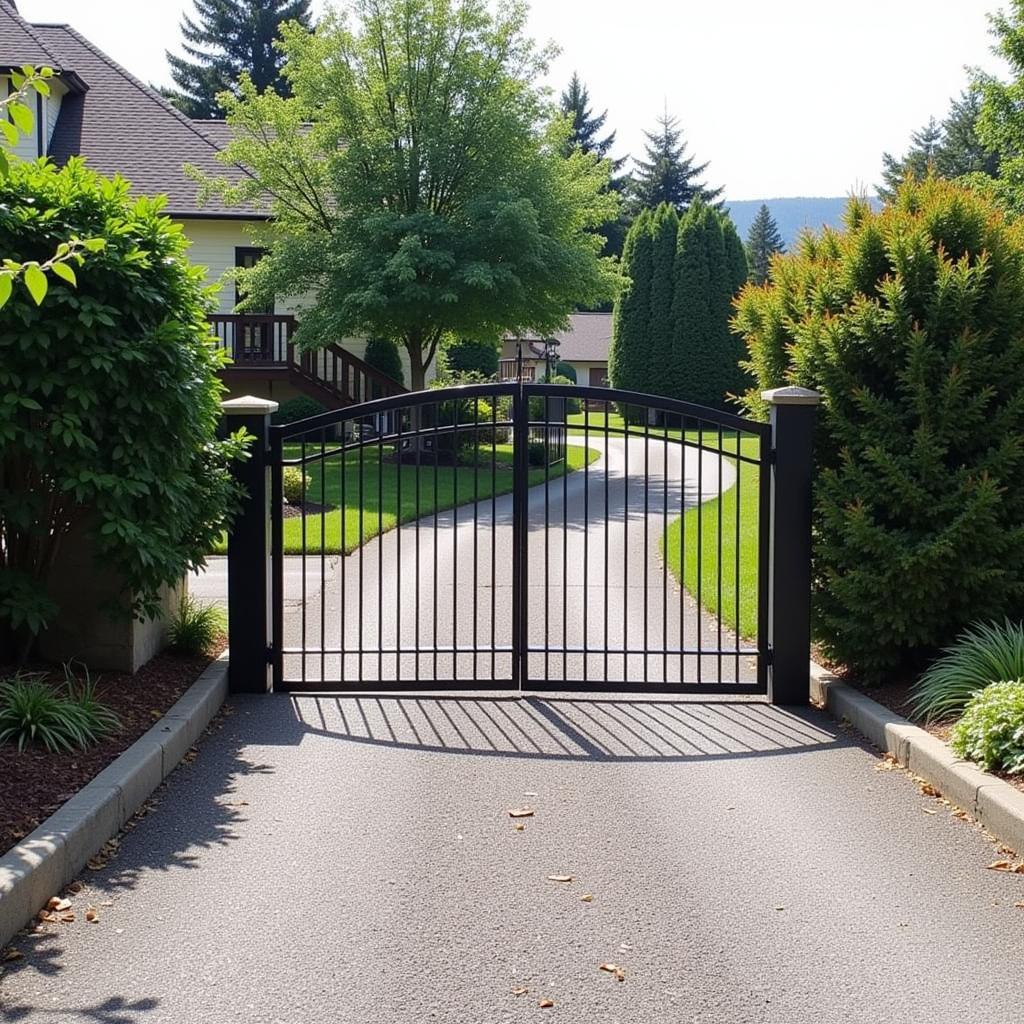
[(792, 215)]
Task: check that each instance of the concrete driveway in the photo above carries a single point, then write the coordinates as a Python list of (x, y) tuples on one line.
[(352, 860)]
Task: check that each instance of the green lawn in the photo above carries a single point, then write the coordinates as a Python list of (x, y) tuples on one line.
[(377, 496), (683, 564)]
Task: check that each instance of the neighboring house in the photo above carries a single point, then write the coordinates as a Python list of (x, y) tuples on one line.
[(584, 346), (99, 111)]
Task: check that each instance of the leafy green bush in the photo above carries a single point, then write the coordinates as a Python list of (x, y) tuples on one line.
[(911, 325), (984, 653), (383, 354), (537, 453), (109, 399), (566, 370), (464, 355), (195, 627), (298, 408), (33, 711), (991, 732), (295, 484)]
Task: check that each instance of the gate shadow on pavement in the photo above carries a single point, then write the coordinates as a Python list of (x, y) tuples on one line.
[(570, 729)]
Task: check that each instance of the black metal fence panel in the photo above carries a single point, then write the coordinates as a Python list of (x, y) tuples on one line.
[(521, 536)]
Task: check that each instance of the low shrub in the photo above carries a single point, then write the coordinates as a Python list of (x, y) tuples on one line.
[(32, 711), (991, 732), (295, 409), (195, 627), (985, 653), (537, 453), (294, 484)]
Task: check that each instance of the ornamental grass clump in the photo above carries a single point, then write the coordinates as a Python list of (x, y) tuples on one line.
[(910, 323), (985, 653), (195, 628), (991, 732), (35, 712)]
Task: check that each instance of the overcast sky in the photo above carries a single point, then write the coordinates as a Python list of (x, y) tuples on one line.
[(783, 97)]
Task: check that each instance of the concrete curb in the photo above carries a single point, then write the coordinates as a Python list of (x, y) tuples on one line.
[(53, 855), (995, 803)]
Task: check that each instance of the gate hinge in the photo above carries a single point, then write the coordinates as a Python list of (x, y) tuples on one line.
[(270, 654), (769, 656)]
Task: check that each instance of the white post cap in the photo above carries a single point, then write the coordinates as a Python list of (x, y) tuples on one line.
[(791, 396), (249, 406)]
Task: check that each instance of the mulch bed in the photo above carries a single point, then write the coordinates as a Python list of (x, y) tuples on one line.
[(895, 695), (36, 783), (308, 508)]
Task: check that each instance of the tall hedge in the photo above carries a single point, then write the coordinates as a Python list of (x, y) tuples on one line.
[(627, 361), (109, 399), (911, 325), (710, 268), (658, 347)]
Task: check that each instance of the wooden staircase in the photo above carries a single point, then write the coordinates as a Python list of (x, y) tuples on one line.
[(261, 349)]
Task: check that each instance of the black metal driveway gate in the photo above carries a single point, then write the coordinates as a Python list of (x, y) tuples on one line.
[(528, 537)]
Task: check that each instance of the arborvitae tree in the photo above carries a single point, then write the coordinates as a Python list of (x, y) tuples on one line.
[(710, 268), (383, 354), (658, 344), (911, 325), (631, 319), (668, 175), (225, 38), (763, 241)]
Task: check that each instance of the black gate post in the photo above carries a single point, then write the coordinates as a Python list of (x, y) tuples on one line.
[(520, 532), (793, 415), (249, 605)]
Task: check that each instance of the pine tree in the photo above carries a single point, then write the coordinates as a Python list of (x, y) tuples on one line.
[(924, 145), (763, 241), (225, 38), (710, 268), (668, 175), (575, 103), (632, 314)]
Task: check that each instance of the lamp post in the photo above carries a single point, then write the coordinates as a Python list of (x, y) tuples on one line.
[(550, 357)]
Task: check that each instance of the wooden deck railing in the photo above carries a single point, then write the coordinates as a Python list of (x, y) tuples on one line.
[(265, 342)]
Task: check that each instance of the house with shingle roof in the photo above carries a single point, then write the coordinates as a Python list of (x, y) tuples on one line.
[(101, 112), (584, 345)]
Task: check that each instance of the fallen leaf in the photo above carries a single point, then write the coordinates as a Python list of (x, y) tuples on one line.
[(610, 968), (958, 812), (529, 793), (1018, 869), (1020, 905), (59, 905), (521, 812), (1000, 865), (780, 908), (68, 916), (927, 789), (92, 915), (96, 863), (520, 828), (76, 887), (521, 991), (559, 878), (625, 947), (10, 955), (929, 810), (546, 1004), (45, 915), (620, 975), (587, 897)]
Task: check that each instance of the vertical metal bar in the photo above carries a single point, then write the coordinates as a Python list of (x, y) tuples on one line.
[(605, 569), (736, 560), (277, 556), (764, 505), (719, 567), (399, 455), (380, 549), (586, 545), (547, 545), (344, 556), (565, 545), (665, 567), (437, 502), (302, 513), (494, 536), (476, 528), (625, 550), (417, 424), (700, 550), (323, 554), (520, 472), (455, 539), (362, 504), (647, 509)]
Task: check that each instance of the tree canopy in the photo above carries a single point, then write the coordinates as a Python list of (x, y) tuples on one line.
[(223, 39), (668, 175), (418, 180)]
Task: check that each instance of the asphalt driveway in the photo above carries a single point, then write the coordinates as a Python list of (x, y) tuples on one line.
[(353, 860)]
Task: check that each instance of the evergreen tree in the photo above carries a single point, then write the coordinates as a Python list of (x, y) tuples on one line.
[(668, 175), (575, 103), (225, 38), (710, 268), (657, 345), (763, 241), (631, 318)]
